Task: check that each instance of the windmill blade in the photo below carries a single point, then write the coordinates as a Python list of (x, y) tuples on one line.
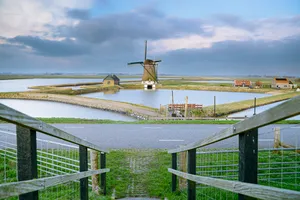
[(135, 63), (145, 50), (156, 61)]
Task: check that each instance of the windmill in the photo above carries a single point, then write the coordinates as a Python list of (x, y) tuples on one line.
[(149, 78)]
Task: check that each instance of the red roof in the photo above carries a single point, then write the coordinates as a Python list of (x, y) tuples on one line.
[(281, 80), (242, 82)]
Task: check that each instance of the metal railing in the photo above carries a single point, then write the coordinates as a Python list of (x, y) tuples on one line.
[(30, 158), (247, 158)]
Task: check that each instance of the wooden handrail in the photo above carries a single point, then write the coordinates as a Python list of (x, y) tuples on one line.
[(13, 116), (283, 111), (23, 187), (248, 189)]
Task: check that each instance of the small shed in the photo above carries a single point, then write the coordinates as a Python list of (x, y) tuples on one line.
[(242, 83), (111, 80), (283, 83)]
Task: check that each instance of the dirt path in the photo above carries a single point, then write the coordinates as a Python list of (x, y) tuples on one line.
[(120, 107)]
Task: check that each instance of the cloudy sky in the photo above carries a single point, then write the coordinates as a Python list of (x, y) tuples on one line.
[(192, 37)]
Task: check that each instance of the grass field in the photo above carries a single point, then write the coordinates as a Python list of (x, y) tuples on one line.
[(106, 121), (144, 172)]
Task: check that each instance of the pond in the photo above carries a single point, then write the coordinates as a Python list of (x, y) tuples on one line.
[(154, 98), (260, 109), (54, 109), (212, 81), (20, 85)]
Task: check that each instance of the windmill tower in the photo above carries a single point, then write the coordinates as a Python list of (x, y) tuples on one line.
[(149, 78)]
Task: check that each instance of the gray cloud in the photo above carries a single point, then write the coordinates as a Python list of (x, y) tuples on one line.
[(63, 48), (141, 24), (107, 43), (248, 57), (235, 21), (81, 14)]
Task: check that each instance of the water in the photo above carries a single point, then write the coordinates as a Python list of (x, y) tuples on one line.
[(54, 109), (211, 81), (19, 85), (249, 112), (154, 98)]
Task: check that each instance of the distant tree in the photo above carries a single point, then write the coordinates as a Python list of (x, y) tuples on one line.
[(258, 84)]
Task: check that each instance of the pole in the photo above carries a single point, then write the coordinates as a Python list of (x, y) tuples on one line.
[(254, 106), (214, 106), (173, 102), (186, 106)]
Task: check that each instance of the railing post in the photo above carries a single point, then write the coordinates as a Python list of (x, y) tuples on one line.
[(248, 158), (103, 176), (83, 158), (27, 159), (191, 170), (174, 177)]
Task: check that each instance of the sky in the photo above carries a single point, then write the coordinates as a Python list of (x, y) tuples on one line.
[(192, 37)]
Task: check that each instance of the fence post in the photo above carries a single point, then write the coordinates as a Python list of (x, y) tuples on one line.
[(83, 158), (27, 159), (191, 170), (103, 176), (94, 166), (174, 166), (248, 158), (183, 168)]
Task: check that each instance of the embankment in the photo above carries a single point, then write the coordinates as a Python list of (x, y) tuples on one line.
[(137, 111), (230, 108)]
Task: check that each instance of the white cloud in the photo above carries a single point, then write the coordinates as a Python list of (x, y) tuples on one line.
[(266, 30), (29, 17)]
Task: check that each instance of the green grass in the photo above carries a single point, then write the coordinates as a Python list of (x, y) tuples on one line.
[(106, 121), (152, 177), (229, 108)]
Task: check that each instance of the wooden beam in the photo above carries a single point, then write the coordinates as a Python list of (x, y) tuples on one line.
[(103, 176), (84, 182), (94, 166), (248, 159), (248, 189), (285, 110), (23, 187), (191, 190), (27, 159), (10, 115), (174, 166)]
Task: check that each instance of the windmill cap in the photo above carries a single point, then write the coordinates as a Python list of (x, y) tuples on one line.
[(148, 61)]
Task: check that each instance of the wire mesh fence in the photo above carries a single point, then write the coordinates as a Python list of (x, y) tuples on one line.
[(278, 161), (53, 158)]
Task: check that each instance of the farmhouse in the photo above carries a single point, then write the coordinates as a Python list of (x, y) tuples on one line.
[(242, 83), (283, 83), (111, 80)]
